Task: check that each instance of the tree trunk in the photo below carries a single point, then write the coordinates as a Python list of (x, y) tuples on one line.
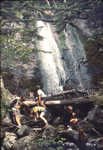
[(71, 101), (47, 2)]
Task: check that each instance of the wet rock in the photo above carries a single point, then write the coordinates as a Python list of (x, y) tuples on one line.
[(93, 23), (70, 146), (48, 115), (23, 131), (7, 119), (9, 140), (96, 117), (90, 146), (91, 114), (61, 127), (49, 132), (98, 142), (2, 148), (57, 120), (25, 143), (22, 76), (72, 135), (2, 134), (86, 126), (51, 144)]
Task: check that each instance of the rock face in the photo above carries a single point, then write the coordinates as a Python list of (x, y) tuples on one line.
[(21, 79), (93, 25), (90, 31)]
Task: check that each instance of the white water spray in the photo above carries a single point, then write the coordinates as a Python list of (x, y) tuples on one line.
[(55, 70), (51, 65), (76, 57)]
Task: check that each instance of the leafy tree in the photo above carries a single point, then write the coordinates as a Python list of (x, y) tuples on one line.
[(70, 10), (19, 33)]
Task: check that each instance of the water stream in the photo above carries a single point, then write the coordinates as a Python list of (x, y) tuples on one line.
[(51, 65), (75, 54), (55, 70)]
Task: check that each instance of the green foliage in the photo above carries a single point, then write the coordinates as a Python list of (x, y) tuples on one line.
[(67, 12), (3, 107), (62, 40), (47, 142), (19, 33), (98, 100)]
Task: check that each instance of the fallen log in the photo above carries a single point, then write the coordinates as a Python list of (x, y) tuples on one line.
[(64, 93), (66, 101), (60, 96), (62, 102)]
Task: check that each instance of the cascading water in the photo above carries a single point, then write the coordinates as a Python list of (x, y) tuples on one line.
[(51, 65), (55, 70), (75, 54)]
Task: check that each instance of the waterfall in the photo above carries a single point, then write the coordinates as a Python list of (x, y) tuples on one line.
[(51, 66), (75, 54), (58, 67)]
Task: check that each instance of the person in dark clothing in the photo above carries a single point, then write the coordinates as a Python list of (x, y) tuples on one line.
[(67, 115), (71, 118)]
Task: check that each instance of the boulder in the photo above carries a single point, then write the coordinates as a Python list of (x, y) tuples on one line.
[(25, 143), (49, 132), (72, 135), (9, 140), (96, 117), (98, 142), (70, 146), (57, 120), (91, 114), (23, 131)]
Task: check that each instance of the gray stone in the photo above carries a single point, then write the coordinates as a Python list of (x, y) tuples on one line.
[(49, 132), (23, 131), (25, 143), (9, 140)]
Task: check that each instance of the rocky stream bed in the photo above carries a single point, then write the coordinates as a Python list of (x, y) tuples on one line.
[(87, 134)]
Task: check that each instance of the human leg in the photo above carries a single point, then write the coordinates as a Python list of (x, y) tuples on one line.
[(43, 118), (17, 117), (36, 115)]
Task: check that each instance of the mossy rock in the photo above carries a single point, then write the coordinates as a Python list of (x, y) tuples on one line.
[(98, 100)]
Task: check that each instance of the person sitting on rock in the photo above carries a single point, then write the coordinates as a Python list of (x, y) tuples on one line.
[(72, 117), (15, 106)]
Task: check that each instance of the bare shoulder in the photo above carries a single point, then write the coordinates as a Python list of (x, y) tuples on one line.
[(29, 102)]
